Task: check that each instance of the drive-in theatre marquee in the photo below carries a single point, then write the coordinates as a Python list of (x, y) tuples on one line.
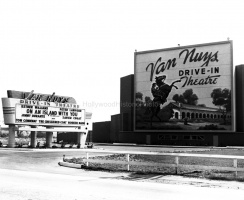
[(185, 88), (22, 108)]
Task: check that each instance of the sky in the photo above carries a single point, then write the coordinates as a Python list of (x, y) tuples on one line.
[(82, 48)]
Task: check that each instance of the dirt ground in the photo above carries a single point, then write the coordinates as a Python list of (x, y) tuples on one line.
[(157, 170)]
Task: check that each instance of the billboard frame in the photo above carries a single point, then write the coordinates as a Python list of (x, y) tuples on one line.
[(233, 93)]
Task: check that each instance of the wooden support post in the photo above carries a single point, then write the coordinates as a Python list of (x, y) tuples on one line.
[(176, 164), (87, 157), (235, 166), (128, 160)]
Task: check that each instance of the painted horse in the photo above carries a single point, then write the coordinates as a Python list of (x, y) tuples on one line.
[(160, 92)]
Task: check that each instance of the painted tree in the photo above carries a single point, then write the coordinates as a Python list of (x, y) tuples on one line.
[(139, 95), (179, 98), (148, 100), (222, 98), (139, 99), (188, 97)]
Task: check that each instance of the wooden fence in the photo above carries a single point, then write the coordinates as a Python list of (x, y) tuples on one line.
[(176, 165)]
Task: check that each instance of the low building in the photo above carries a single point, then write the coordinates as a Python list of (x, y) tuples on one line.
[(182, 111)]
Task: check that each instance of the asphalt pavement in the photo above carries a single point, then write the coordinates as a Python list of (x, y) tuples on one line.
[(23, 185), (35, 174)]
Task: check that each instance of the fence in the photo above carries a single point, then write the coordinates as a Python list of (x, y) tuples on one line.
[(176, 165)]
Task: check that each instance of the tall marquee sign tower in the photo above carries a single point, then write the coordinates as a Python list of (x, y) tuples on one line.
[(22, 109)]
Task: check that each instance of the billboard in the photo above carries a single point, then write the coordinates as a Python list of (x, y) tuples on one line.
[(186, 88)]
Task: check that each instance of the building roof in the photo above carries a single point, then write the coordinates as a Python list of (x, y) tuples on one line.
[(192, 107)]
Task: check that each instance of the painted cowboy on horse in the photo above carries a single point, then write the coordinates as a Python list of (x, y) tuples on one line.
[(160, 91)]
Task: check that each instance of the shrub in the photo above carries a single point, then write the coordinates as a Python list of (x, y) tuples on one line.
[(211, 127)]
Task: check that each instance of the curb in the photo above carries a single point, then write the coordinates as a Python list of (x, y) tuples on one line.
[(42, 149), (16, 149), (235, 147), (71, 165)]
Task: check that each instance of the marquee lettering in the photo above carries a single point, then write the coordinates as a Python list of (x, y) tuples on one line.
[(197, 57), (199, 81), (160, 67), (48, 98), (187, 74)]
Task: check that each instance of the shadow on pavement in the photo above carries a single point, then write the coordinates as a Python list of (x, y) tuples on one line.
[(138, 176)]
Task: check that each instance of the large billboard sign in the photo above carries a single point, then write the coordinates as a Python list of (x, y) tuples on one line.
[(185, 88), (56, 111)]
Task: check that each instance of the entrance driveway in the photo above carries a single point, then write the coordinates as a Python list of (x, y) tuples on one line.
[(35, 174)]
